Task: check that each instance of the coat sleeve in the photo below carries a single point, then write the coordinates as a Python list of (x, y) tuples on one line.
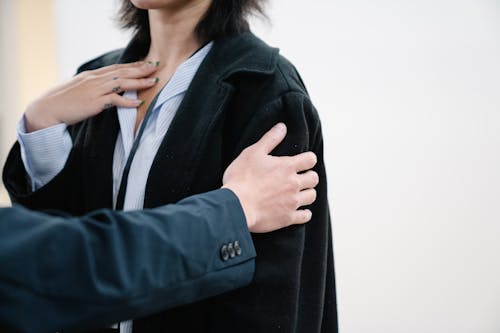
[(104, 267), (293, 289), (63, 192)]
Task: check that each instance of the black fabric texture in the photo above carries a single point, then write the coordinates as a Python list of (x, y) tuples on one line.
[(242, 88)]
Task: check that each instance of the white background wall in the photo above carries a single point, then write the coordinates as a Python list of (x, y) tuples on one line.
[(409, 95)]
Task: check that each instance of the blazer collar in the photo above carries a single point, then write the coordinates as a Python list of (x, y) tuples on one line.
[(229, 55), (243, 53)]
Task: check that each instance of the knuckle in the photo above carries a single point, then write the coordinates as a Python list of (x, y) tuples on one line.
[(83, 74), (303, 216), (314, 195), (89, 76), (90, 80), (117, 85), (111, 98), (312, 157), (274, 138), (143, 70), (105, 103), (248, 151), (114, 66), (289, 165), (120, 73), (307, 215), (131, 64), (315, 178), (124, 72)]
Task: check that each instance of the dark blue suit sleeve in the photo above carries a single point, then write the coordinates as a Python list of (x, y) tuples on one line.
[(86, 272)]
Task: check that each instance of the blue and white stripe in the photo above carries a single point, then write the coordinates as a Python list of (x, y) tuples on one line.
[(157, 126)]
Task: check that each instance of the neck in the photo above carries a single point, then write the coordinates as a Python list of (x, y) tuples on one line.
[(172, 31)]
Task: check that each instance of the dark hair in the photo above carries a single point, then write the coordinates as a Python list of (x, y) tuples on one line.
[(223, 18)]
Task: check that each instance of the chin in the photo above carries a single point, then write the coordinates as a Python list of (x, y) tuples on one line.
[(156, 4)]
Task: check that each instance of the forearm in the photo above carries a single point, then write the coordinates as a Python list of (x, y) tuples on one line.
[(109, 266)]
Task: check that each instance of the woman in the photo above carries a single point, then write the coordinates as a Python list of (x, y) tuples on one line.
[(222, 89)]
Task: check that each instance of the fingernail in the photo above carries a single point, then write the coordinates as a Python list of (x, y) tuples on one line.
[(157, 64), (149, 62), (281, 127), (155, 80), (140, 102)]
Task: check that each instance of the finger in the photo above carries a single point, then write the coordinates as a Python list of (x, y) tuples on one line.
[(306, 197), (301, 216), (134, 72), (272, 138), (101, 73), (119, 101), (120, 85), (309, 179), (114, 67), (303, 161)]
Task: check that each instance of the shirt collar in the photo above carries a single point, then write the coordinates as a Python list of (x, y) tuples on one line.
[(178, 84), (180, 81)]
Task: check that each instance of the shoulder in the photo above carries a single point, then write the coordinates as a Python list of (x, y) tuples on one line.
[(103, 60), (267, 88), (245, 59), (290, 76), (261, 77)]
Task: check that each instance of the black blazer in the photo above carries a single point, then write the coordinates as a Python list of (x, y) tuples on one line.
[(242, 88)]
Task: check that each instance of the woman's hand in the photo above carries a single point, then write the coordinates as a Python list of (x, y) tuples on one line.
[(89, 93)]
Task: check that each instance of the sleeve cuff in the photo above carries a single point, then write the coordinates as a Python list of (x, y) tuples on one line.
[(222, 209), (44, 152), (234, 220)]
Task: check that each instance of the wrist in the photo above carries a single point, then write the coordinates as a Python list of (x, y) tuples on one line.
[(35, 119), (246, 204)]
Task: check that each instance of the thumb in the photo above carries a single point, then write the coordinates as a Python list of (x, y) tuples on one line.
[(272, 138)]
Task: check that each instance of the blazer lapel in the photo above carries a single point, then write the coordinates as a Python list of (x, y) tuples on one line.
[(99, 146), (176, 162), (177, 159)]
